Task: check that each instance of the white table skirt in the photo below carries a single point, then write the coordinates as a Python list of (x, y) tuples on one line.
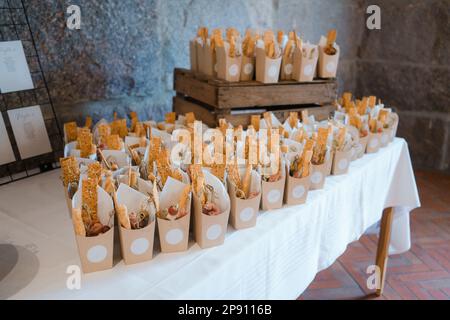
[(277, 259)]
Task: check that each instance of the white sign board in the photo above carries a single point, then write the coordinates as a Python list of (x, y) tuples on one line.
[(6, 151), (29, 131), (14, 72)]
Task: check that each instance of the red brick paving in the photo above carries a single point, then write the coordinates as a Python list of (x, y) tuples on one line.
[(422, 273)]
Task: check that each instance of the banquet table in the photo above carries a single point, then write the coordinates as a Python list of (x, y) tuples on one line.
[(277, 259)]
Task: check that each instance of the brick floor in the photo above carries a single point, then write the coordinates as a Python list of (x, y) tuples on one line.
[(421, 273)]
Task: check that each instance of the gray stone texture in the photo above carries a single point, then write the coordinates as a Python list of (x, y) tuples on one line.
[(123, 57), (406, 63)]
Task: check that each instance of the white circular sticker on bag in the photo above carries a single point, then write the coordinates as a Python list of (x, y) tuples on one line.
[(214, 232), (174, 236), (384, 138), (139, 246), (308, 70), (97, 254), (272, 72), (273, 196), (233, 70), (298, 191), (343, 163), (288, 68), (246, 214), (373, 143), (330, 66), (248, 68), (316, 177)]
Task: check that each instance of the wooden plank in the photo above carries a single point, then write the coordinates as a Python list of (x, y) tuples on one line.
[(227, 95), (238, 97), (319, 112), (183, 106), (210, 116), (383, 246), (196, 89)]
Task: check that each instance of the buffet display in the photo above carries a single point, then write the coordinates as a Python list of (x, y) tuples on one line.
[(263, 56), (189, 181)]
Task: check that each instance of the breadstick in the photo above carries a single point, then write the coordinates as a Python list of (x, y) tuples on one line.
[(77, 221), (182, 205), (247, 180), (122, 215)]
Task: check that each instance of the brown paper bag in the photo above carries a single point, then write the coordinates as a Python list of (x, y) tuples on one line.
[(363, 142), (136, 245), (267, 69), (328, 64), (193, 55), (341, 162), (243, 213), (296, 190), (173, 235), (247, 68), (373, 142), (305, 66), (385, 137), (318, 175), (272, 192), (207, 60), (287, 67), (68, 200), (96, 253), (228, 68), (329, 161), (210, 231)]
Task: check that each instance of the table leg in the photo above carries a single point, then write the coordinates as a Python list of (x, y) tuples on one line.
[(383, 246)]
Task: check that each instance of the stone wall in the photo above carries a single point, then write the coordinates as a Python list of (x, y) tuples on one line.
[(123, 57), (406, 63)]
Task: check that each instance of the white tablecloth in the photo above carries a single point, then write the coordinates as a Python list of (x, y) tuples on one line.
[(277, 259)]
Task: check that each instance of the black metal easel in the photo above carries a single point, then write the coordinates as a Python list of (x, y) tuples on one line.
[(14, 25)]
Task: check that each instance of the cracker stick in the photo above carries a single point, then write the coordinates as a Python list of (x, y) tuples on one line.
[(247, 180), (71, 131), (89, 201), (184, 198), (307, 156), (122, 216), (77, 221), (305, 118), (255, 120), (88, 122), (190, 118), (104, 161), (170, 117)]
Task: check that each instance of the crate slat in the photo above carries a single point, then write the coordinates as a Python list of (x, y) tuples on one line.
[(227, 95)]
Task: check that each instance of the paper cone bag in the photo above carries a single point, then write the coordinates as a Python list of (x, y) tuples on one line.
[(193, 55), (244, 212), (173, 235), (210, 231), (328, 64), (394, 116), (267, 69), (287, 67), (247, 68), (373, 142), (121, 158), (363, 145), (96, 253), (341, 162), (329, 161), (385, 137), (228, 68), (317, 176), (207, 64), (272, 192), (296, 189), (305, 64), (136, 245)]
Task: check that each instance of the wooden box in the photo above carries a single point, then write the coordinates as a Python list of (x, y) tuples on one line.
[(211, 99)]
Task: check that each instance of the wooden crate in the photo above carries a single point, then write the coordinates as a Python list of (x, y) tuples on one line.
[(211, 99)]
